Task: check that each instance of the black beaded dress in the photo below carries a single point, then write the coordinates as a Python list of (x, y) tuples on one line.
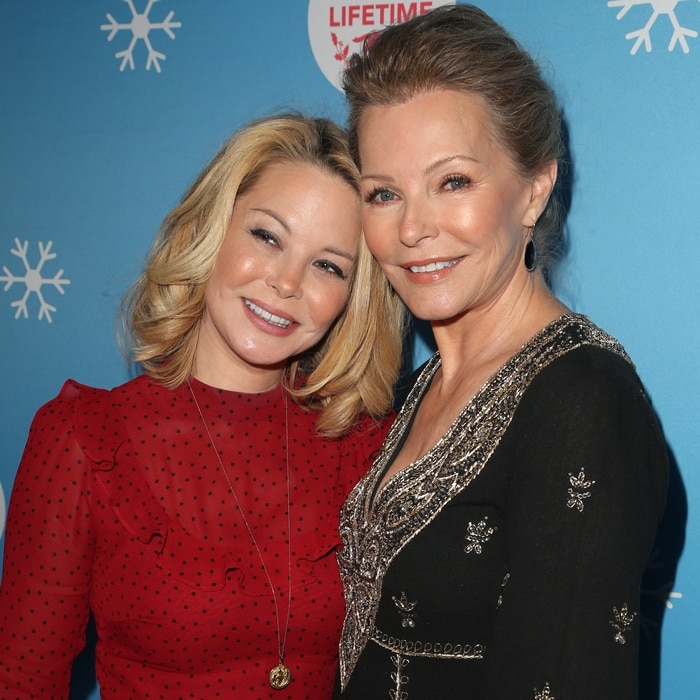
[(505, 564)]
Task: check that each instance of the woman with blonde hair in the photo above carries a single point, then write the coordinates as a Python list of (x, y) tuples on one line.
[(194, 510)]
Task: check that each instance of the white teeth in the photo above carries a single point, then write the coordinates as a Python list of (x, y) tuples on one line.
[(267, 316), (433, 267)]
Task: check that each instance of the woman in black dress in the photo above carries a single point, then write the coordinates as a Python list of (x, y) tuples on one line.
[(494, 551)]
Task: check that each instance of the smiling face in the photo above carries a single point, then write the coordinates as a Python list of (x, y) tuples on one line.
[(281, 277), (444, 209)]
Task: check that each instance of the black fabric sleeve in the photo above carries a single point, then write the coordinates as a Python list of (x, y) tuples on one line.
[(584, 500)]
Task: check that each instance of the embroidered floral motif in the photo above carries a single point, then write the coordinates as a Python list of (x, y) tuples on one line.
[(477, 535), (405, 610), (375, 525), (578, 492), (544, 694), (622, 622)]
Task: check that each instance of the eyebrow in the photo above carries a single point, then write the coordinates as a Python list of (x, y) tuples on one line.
[(429, 169), (444, 161), (340, 253), (272, 214), (328, 249)]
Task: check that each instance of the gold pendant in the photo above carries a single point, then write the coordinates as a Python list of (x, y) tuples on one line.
[(280, 676)]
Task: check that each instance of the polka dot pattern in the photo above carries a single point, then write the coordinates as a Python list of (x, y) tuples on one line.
[(120, 508)]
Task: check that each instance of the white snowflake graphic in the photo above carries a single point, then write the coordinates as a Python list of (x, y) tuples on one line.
[(140, 27), (32, 280), (659, 7)]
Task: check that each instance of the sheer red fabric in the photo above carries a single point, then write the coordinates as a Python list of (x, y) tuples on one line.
[(120, 508)]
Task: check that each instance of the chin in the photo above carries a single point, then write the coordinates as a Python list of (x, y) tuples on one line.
[(432, 313)]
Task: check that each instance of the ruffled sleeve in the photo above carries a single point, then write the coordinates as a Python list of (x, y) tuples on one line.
[(123, 484), (49, 547)]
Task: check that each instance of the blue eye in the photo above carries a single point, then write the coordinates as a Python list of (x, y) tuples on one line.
[(456, 182), (380, 195)]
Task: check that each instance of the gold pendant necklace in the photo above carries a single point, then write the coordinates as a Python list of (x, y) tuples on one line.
[(280, 676)]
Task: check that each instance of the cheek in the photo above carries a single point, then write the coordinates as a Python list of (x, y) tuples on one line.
[(378, 234), (212, 288), (326, 305)]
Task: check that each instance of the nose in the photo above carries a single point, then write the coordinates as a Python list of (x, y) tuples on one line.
[(417, 223), (286, 279)]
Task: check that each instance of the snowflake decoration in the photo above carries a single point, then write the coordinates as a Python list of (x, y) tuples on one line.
[(32, 280), (659, 7), (140, 27)]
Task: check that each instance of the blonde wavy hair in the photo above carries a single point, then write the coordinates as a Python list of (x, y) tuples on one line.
[(352, 371)]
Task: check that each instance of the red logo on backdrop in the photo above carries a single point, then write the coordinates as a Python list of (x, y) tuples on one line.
[(338, 29)]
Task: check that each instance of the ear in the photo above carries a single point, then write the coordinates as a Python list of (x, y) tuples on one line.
[(541, 188)]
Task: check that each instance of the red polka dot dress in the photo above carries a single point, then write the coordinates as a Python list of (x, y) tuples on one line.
[(120, 507)]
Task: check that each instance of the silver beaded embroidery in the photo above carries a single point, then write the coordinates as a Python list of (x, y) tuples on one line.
[(499, 602), (399, 678), (406, 609), (402, 649), (375, 528), (622, 623), (430, 650), (478, 534), (578, 490), (544, 694)]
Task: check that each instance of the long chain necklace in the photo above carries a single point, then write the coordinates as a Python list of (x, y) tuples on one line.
[(280, 676)]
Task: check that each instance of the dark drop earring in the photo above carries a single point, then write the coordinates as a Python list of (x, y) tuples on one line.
[(530, 256)]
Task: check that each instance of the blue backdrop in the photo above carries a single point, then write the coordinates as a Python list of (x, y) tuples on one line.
[(108, 109)]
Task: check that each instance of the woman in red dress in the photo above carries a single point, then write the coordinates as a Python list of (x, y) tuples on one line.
[(193, 511)]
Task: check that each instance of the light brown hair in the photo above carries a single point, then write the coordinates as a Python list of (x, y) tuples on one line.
[(460, 47)]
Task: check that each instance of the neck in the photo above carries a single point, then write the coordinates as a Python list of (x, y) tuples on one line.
[(217, 364), (488, 336), (250, 380)]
